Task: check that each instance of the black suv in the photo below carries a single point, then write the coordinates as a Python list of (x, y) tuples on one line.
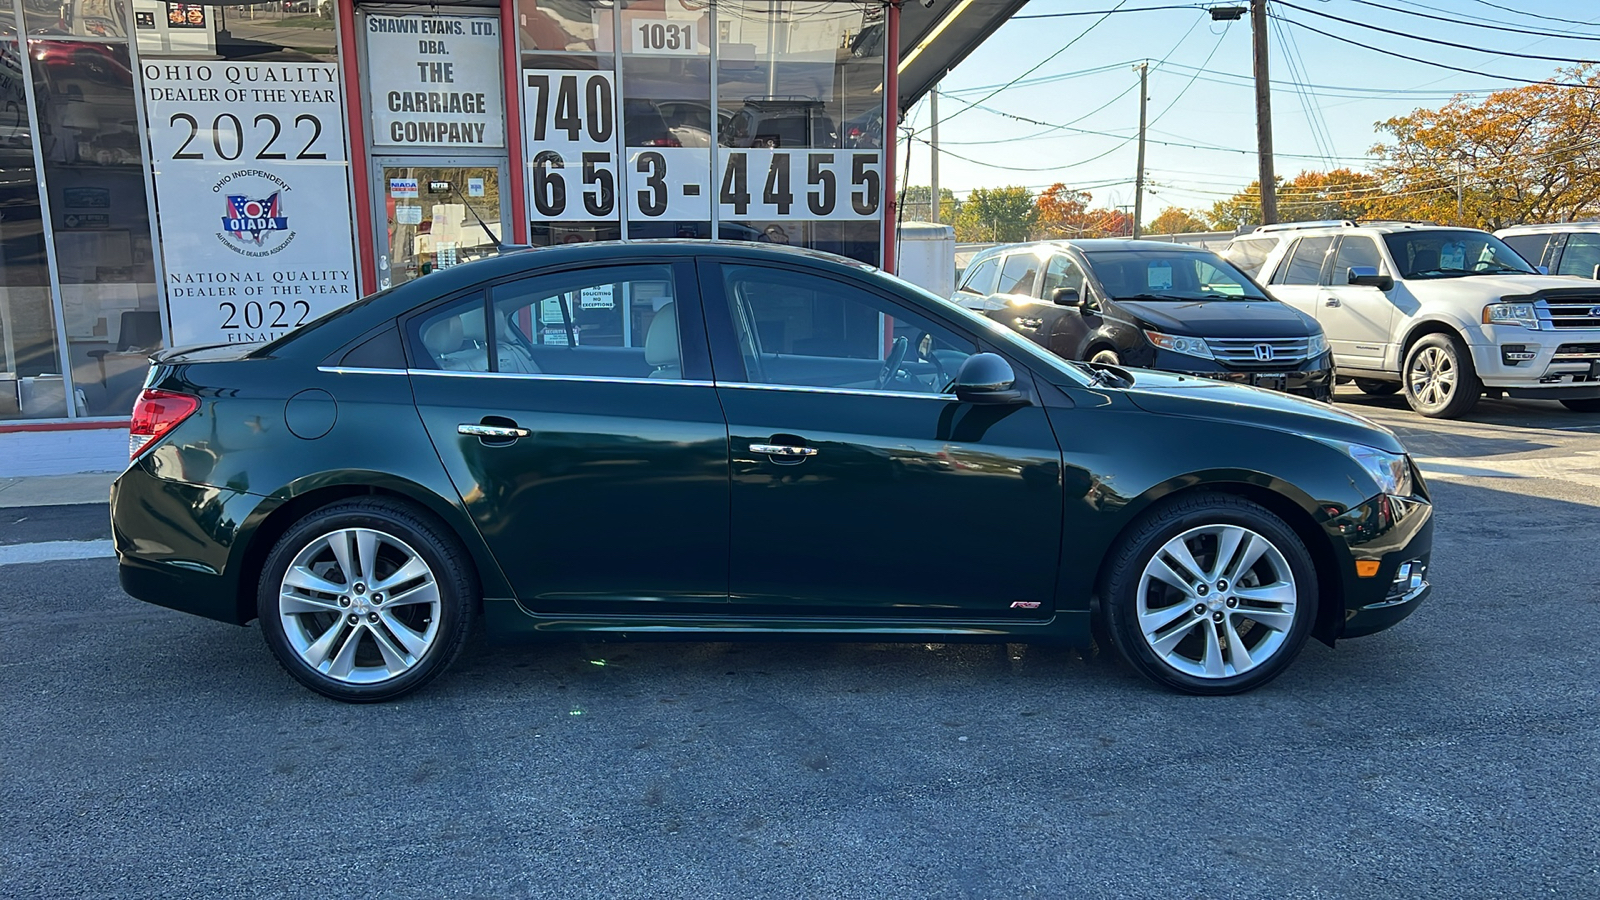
[(1153, 305), (780, 122)]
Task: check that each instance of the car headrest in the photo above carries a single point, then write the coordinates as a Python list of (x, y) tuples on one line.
[(661, 341), (443, 337)]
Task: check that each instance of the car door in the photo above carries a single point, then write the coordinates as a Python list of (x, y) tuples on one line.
[(575, 414), (1358, 319), (1067, 329), (859, 487), (1580, 255)]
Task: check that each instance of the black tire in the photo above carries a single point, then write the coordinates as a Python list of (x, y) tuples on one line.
[(1583, 404), (1107, 357), (1377, 388), (435, 631), (1440, 400), (1121, 601)]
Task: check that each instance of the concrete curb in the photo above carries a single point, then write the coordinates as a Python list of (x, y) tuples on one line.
[(56, 490)]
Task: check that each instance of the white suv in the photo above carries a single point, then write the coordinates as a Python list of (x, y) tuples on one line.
[(1440, 313), (1570, 248)]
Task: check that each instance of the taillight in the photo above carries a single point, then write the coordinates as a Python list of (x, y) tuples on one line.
[(154, 414)]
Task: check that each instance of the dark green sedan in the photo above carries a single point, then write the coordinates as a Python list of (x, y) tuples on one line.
[(693, 440)]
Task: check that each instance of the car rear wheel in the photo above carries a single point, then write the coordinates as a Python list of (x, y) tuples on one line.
[(1377, 388), (365, 600), (1212, 594), (1583, 404), (1439, 380)]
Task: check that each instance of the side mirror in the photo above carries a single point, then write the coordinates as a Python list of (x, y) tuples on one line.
[(987, 378), (1367, 276), (1064, 296)]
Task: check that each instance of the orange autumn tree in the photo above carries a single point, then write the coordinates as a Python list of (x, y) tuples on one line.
[(1526, 154), (1064, 213), (1308, 197), (1176, 221)]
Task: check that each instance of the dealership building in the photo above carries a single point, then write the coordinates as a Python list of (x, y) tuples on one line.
[(178, 173)]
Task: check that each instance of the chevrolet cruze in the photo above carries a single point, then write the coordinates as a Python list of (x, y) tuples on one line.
[(678, 440)]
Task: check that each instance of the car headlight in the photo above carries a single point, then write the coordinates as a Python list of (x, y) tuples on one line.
[(1317, 345), (1190, 346), (1390, 471), (1511, 314)]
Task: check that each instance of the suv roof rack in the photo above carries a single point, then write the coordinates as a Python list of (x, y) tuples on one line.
[(1422, 222), (1320, 223)]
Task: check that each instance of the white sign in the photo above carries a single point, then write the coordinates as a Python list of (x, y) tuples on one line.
[(661, 36), (599, 297), (408, 215), (669, 183), (571, 134), (435, 81), (800, 184), (474, 187), (253, 190)]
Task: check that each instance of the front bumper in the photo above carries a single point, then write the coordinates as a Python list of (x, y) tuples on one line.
[(1392, 539), (1308, 378), (1539, 365)]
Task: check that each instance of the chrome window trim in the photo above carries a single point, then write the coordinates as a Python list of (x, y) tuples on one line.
[(855, 392), (541, 376), (358, 370)]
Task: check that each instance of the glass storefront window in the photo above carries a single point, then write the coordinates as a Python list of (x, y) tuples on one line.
[(31, 384), (94, 174), (288, 31), (800, 101), (667, 129)]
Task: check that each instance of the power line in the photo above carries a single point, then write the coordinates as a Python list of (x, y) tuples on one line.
[(1429, 40), (1535, 15), (1426, 62), (1097, 12), (1470, 24), (1081, 35)]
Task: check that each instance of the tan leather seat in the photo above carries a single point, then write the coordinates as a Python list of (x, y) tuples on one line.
[(661, 344)]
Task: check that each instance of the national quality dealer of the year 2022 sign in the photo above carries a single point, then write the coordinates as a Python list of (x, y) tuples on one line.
[(252, 189)]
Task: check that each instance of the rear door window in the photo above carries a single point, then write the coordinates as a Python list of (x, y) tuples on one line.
[(1305, 263), (1530, 247), (1018, 273)]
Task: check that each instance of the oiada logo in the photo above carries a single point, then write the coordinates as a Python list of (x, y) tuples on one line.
[(253, 224)]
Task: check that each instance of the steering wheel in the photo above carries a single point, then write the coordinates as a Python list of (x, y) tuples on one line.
[(897, 355)]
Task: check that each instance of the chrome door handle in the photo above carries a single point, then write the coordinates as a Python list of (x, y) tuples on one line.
[(1331, 301), (492, 431), (783, 451)]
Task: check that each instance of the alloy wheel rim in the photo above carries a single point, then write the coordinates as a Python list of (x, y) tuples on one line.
[(359, 606), (1216, 601), (1432, 377)]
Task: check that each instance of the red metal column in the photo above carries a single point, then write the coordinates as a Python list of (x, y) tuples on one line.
[(513, 78), (891, 133), (355, 115)]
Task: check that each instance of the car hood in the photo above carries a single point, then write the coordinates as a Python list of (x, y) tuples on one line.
[(1493, 286), (1220, 318), (1201, 398)]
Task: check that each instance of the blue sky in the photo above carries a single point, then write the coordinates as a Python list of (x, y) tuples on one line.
[(1201, 94)]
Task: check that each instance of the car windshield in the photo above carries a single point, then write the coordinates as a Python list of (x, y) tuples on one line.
[(1453, 254), (1178, 274)]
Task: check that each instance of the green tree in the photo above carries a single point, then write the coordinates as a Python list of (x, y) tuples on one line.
[(1004, 215), (918, 208)]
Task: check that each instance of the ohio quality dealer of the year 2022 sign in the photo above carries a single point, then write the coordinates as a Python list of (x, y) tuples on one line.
[(252, 187), (435, 81)]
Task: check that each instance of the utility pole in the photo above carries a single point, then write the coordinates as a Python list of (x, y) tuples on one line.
[(1269, 186), (933, 147), (1138, 178)]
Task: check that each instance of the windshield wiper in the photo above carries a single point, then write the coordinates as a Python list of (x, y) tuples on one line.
[(1105, 373)]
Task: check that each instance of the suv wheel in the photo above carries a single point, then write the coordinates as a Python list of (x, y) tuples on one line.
[(1377, 388), (1439, 380), (1583, 404)]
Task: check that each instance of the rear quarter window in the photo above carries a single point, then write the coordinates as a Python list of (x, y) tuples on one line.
[(1250, 255)]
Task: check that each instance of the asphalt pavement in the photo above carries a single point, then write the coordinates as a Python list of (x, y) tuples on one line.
[(149, 753)]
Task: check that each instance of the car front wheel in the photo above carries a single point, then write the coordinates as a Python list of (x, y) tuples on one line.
[(1439, 380), (1211, 594), (365, 600)]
